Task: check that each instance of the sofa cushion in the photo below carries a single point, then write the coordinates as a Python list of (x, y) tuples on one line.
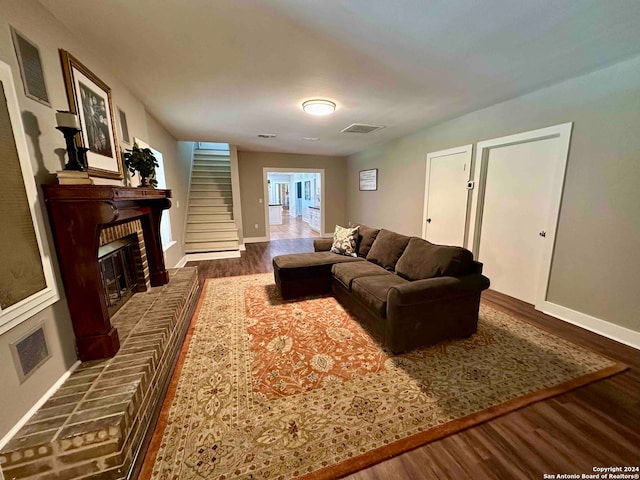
[(322, 244), (305, 265), (344, 241), (366, 237), (372, 291), (387, 249), (345, 273), (422, 259)]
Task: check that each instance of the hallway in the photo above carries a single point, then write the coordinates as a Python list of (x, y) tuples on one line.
[(292, 227)]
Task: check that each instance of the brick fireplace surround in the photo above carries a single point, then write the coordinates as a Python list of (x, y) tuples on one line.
[(95, 425)]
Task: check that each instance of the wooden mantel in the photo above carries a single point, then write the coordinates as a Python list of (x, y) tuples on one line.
[(77, 214)]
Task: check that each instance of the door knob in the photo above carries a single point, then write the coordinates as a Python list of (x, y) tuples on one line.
[(428, 220), (543, 233)]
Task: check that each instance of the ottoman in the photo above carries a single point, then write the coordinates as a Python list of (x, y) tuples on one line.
[(302, 274)]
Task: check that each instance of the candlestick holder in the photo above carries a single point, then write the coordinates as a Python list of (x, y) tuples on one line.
[(82, 157), (72, 151)]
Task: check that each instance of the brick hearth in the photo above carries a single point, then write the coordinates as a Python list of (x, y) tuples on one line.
[(94, 425)]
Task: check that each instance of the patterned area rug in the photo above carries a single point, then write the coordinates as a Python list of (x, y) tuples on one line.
[(273, 389)]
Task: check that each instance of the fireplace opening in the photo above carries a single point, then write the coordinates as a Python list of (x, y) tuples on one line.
[(118, 272)]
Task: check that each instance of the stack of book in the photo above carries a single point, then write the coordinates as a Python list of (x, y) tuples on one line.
[(73, 177)]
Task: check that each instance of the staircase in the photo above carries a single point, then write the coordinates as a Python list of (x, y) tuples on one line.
[(210, 224)]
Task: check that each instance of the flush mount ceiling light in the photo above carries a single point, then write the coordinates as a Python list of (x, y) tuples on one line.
[(318, 106)]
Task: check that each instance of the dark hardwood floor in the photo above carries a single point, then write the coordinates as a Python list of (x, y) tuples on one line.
[(595, 425)]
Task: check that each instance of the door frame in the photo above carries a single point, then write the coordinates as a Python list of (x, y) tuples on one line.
[(563, 133), (468, 151), (267, 170)]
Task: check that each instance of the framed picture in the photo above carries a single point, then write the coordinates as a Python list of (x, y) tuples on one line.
[(307, 190), (124, 128), (369, 179), (90, 98)]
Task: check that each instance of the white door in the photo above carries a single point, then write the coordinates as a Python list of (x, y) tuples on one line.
[(517, 211), (446, 196)]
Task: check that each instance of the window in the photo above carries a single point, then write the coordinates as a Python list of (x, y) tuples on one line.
[(165, 222)]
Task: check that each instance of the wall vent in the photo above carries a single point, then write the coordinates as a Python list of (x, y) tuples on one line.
[(30, 68), (361, 128), (267, 135), (30, 351)]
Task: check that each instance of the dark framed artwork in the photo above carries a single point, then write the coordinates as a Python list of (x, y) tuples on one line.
[(124, 128), (307, 190), (369, 179), (31, 69), (90, 98)]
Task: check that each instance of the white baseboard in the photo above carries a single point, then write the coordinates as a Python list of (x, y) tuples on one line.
[(25, 418), (195, 257), (242, 247), (593, 324), (255, 239), (183, 261)]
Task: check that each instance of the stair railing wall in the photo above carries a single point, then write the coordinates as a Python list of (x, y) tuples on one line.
[(235, 191)]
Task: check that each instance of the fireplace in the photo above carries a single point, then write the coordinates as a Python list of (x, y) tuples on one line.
[(85, 218), (118, 272)]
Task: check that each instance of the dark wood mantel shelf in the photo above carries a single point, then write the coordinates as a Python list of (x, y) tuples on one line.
[(77, 214)]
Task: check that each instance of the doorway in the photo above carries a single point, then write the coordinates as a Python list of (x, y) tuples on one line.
[(515, 209), (446, 196), (295, 203)]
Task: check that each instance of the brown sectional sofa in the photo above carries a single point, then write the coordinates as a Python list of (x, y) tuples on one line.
[(406, 291)]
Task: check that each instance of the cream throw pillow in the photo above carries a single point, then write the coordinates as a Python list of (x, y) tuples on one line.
[(344, 241)]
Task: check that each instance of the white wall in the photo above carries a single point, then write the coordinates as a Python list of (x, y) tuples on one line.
[(596, 257)]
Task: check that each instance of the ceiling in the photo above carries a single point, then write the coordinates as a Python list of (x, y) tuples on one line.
[(228, 70)]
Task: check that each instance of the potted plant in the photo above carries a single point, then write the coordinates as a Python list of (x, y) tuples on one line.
[(143, 161)]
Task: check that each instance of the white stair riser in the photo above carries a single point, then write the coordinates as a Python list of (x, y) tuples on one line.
[(208, 209), (224, 184), (205, 202), (222, 159), (196, 247), (210, 178), (213, 154), (207, 187), (213, 194), (211, 226), (211, 236), (219, 173), (209, 164), (212, 198), (211, 174), (204, 218)]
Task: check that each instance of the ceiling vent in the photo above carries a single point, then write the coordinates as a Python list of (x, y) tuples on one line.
[(361, 128), (267, 135)]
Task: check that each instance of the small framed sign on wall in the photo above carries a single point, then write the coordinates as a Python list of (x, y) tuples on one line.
[(369, 179)]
